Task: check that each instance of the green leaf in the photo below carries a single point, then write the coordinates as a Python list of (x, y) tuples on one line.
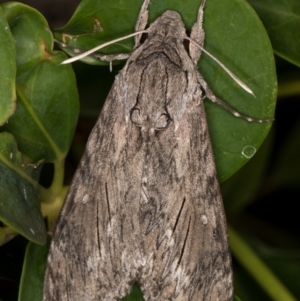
[(31, 286), (135, 294), (240, 190), (19, 200), (47, 108), (7, 71), (282, 22), (96, 22), (241, 43), (235, 35)]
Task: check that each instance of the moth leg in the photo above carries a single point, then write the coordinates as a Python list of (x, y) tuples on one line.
[(111, 57), (197, 34), (141, 22), (213, 98)]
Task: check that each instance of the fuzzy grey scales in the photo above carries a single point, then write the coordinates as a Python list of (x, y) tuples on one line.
[(145, 204)]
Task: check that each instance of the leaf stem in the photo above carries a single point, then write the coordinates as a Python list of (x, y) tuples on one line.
[(53, 198), (258, 269), (51, 210), (59, 173)]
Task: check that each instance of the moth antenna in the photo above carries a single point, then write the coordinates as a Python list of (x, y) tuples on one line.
[(234, 77), (84, 54)]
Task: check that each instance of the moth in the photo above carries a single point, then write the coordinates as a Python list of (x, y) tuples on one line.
[(145, 204)]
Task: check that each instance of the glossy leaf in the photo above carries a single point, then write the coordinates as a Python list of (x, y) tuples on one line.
[(281, 19), (240, 190), (7, 71), (96, 21), (19, 200), (239, 41), (47, 109), (31, 286), (242, 44)]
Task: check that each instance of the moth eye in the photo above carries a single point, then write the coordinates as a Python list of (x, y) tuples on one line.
[(136, 117), (162, 122)]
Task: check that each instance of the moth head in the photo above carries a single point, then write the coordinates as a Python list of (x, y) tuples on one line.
[(168, 24)]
